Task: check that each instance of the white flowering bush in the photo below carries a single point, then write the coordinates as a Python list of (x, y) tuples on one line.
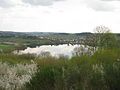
[(13, 77)]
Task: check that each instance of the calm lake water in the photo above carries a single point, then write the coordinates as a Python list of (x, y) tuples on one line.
[(56, 51), (66, 50)]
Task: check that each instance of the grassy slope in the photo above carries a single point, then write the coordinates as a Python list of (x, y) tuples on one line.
[(6, 48)]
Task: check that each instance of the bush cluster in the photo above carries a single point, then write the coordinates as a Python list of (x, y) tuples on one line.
[(100, 71)]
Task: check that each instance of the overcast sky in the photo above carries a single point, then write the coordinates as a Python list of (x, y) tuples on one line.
[(72, 16)]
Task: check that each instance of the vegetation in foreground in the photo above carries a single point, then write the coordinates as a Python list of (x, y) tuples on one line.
[(13, 77), (99, 71)]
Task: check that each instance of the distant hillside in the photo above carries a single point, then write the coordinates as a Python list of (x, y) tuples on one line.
[(10, 33), (47, 34)]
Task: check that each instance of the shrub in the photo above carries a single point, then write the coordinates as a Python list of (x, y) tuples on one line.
[(13, 77)]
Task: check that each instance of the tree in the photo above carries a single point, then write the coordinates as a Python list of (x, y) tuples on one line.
[(104, 37), (101, 38)]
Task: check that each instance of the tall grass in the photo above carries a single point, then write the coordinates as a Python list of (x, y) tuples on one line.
[(16, 59), (100, 71)]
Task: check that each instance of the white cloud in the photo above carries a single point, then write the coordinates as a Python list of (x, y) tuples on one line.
[(110, 0), (40, 2), (67, 16), (99, 5), (11, 3)]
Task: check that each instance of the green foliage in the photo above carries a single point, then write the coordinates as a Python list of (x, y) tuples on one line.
[(43, 80), (101, 71), (5, 48), (14, 59), (98, 72), (103, 38), (108, 40)]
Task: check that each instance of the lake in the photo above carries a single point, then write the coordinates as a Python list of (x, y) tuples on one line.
[(66, 50)]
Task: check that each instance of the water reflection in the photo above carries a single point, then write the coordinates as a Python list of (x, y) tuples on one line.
[(65, 49)]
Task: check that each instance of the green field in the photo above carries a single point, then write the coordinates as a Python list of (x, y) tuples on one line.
[(6, 48)]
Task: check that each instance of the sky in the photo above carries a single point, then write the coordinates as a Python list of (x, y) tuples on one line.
[(71, 16)]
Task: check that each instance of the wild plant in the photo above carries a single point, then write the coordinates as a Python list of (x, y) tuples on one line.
[(13, 77)]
